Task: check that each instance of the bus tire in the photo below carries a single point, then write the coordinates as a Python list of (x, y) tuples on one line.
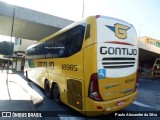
[(56, 93), (47, 89)]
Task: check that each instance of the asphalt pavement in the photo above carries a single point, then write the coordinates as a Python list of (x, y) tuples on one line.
[(17, 97), (21, 95)]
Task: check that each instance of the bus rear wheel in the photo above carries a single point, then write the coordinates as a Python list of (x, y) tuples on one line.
[(47, 89), (56, 93)]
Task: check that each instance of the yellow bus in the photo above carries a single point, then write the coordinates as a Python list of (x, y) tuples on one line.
[(91, 65)]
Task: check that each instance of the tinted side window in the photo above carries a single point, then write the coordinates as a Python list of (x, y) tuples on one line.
[(75, 40), (88, 31), (49, 50), (60, 44), (65, 44), (40, 51)]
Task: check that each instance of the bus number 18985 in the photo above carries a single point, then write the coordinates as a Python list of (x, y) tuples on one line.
[(70, 67)]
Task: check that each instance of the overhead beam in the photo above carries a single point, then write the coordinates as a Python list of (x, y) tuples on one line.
[(29, 24)]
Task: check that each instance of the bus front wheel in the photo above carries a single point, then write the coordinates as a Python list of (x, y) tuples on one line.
[(47, 89), (56, 93)]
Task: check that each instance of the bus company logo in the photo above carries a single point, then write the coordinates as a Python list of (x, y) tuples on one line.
[(119, 30)]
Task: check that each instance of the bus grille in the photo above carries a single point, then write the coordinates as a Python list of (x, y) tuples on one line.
[(118, 62)]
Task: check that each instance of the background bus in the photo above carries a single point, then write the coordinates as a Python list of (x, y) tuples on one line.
[(90, 65), (156, 67)]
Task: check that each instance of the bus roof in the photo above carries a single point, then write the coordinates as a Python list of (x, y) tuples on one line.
[(72, 25), (108, 17)]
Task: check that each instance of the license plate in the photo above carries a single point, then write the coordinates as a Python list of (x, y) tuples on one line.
[(120, 103)]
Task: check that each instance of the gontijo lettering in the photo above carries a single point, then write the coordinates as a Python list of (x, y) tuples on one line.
[(117, 51)]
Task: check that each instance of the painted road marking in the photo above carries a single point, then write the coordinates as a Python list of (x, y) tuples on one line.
[(141, 104)]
